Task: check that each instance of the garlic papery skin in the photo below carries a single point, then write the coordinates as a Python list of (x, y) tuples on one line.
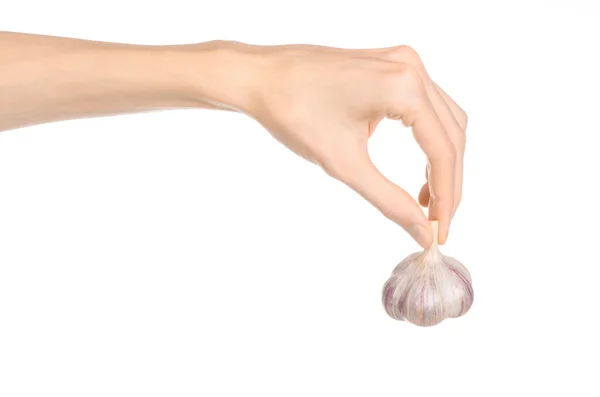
[(428, 287)]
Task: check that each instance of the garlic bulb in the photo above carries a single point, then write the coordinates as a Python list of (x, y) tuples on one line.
[(428, 287)]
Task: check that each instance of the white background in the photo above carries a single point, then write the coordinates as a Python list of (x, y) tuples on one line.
[(187, 253)]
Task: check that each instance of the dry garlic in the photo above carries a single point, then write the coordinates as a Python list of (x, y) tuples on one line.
[(428, 287)]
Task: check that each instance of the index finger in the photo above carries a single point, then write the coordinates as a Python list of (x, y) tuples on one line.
[(431, 136), (417, 111)]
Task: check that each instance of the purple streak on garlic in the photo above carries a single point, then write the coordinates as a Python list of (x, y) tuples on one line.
[(428, 287)]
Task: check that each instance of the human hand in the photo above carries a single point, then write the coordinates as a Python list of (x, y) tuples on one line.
[(324, 104)]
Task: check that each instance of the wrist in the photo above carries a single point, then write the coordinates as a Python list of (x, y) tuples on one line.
[(220, 74)]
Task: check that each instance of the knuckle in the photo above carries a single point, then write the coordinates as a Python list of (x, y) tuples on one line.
[(406, 85), (405, 53), (409, 53), (388, 211), (407, 75), (443, 201), (392, 209), (332, 167), (337, 165)]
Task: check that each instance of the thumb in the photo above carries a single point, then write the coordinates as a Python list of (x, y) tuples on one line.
[(393, 201)]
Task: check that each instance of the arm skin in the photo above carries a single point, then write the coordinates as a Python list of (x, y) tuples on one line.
[(45, 79), (322, 103)]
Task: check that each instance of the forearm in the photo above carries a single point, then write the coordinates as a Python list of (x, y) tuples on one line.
[(45, 79)]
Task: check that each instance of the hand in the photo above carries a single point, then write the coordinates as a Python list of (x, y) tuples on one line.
[(324, 104)]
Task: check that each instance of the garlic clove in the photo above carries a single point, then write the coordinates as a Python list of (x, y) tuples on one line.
[(428, 287), (461, 290)]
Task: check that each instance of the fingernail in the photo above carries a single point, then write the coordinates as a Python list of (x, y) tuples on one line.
[(421, 234)]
